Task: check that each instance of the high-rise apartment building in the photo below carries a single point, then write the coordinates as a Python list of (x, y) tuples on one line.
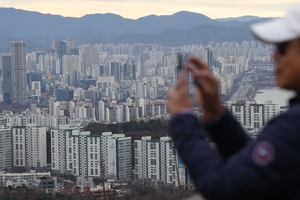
[(36, 147), (61, 52), (6, 65), (116, 156), (5, 149), (19, 143), (61, 151), (29, 146), (157, 160), (102, 110), (63, 47), (82, 154), (253, 116), (36, 90), (90, 58), (18, 72), (207, 57), (119, 157), (75, 152)]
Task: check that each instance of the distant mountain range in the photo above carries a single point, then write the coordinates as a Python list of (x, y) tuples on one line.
[(37, 29), (245, 18)]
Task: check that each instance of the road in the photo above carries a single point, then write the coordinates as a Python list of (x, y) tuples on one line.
[(244, 85)]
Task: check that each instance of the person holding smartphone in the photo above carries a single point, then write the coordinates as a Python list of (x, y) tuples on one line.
[(242, 168)]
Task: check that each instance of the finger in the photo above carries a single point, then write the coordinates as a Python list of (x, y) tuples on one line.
[(191, 70), (194, 74), (181, 80), (199, 75), (171, 93), (198, 63), (202, 75)]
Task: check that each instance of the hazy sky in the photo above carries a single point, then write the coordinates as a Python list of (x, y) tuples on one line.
[(138, 8)]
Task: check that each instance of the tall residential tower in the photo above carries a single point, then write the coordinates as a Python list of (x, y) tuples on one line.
[(6, 66), (18, 72)]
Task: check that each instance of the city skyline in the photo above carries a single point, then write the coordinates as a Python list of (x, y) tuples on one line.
[(135, 9)]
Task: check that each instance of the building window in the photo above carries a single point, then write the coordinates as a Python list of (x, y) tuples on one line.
[(153, 169), (153, 161), (237, 109), (256, 109), (153, 145), (153, 154), (256, 124)]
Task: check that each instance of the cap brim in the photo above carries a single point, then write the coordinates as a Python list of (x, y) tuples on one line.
[(274, 31)]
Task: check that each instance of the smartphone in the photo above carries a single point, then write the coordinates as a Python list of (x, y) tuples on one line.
[(180, 60)]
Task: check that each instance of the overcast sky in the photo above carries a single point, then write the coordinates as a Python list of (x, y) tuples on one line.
[(138, 8)]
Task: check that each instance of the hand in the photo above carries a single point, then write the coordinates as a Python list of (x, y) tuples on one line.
[(207, 87), (178, 96)]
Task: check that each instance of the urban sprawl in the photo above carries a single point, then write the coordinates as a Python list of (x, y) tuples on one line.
[(52, 95)]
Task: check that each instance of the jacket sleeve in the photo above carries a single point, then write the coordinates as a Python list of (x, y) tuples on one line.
[(227, 133), (257, 171)]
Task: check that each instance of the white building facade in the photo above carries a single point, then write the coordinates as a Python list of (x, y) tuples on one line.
[(29, 146), (77, 152), (158, 160)]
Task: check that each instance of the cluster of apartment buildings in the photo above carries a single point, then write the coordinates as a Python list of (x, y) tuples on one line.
[(69, 72), (109, 83), (82, 113), (252, 116), (78, 152)]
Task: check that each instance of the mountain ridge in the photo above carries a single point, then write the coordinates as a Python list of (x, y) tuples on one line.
[(37, 28)]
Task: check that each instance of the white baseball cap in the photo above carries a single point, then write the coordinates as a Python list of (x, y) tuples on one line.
[(280, 29)]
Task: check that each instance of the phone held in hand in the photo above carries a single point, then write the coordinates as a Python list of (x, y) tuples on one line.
[(180, 60)]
